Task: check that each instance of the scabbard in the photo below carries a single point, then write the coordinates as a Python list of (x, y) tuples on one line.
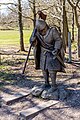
[(60, 60)]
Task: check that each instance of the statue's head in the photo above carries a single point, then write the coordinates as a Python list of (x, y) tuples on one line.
[(41, 26), (42, 15)]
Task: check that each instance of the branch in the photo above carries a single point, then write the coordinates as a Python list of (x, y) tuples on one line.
[(30, 6), (12, 10), (22, 14), (77, 2), (7, 22), (54, 16), (72, 5), (8, 4), (30, 1), (76, 17), (48, 8), (78, 7), (69, 11)]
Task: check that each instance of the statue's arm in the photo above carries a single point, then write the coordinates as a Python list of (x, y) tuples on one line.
[(57, 38), (33, 39)]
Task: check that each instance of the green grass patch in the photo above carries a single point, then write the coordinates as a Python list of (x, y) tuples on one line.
[(9, 74), (2, 67), (11, 37)]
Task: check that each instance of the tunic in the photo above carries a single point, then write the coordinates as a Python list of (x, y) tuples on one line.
[(51, 40)]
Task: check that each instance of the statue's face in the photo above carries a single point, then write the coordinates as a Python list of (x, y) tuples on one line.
[(43, 31)]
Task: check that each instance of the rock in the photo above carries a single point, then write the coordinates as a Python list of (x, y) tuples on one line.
[(63, 94), (44, 94), (50, 96), (52, 89), (60, 93), (44, 86), (36, 91)]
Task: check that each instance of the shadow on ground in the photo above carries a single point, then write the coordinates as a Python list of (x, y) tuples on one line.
[(27, 81)]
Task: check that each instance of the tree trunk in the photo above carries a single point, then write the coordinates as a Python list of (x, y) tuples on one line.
[(65, 27), (69, 46), (34, 13), (77, 23), (20, 25), (78, 26), (73, 25), (79, 41), (0, 58)]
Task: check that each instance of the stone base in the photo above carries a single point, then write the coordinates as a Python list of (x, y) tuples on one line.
[(37, 90), (59, 94)]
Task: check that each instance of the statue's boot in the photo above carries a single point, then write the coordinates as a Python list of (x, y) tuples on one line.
[(53, 80)]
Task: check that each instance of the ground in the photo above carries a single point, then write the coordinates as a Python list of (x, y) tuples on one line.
[(12, 81)]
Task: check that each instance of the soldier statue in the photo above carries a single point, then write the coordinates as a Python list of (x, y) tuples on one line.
[(47, 51)]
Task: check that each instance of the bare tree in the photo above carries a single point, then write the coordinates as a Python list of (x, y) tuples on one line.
[(65, 26), (20, 25), (72, 25), (19, 21), (53, 9), (75, 6), (32, 4)]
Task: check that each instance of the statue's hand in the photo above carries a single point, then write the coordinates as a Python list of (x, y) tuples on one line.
[(55, 52), (34, 43), (32, 39), (33, 36)]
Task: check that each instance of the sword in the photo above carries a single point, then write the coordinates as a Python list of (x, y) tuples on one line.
[(60, 60)]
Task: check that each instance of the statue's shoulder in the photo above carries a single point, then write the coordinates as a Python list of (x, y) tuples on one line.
[(53, 28)]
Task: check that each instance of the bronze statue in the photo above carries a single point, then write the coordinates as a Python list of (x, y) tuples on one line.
[(47, 51)]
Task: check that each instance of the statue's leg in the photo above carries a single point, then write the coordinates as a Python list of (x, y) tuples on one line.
[(53, 80), (46, 77)]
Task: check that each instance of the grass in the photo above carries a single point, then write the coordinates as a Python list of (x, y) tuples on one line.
[(7, 73), (11, 37), (8, 39)]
